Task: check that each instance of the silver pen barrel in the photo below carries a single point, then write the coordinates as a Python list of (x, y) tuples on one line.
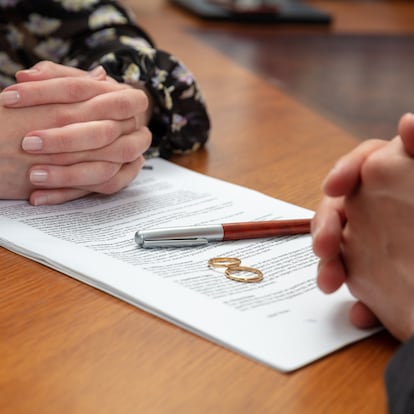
[(179, 236)]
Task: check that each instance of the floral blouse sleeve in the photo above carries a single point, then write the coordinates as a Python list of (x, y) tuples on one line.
[(85, 33)]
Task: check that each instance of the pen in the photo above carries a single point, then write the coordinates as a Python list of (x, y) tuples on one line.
[(201, 235)]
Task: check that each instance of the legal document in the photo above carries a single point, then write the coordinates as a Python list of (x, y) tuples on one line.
[(283, 321)]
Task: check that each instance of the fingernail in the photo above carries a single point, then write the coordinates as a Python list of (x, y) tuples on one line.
[(39, 200), (38, 176), (97, 72), (315, 232), (334, 170), (31, 71), (9, 97), (32, 143)]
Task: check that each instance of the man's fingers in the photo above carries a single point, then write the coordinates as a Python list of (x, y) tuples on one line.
[(362, 317), (406, 130), (345, 176), (326, 227), (331, 275)]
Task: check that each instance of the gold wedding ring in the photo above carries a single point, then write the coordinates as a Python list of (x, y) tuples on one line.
[(234, 269), (224, 262), (232, 266)]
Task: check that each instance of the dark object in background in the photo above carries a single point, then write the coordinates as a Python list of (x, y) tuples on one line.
[(289, 11)]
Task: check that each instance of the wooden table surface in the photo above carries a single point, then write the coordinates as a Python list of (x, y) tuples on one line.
[(68, 348)]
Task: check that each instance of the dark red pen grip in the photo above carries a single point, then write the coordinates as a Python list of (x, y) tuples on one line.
[(254, 230)]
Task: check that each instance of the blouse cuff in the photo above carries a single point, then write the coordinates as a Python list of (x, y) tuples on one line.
[(179, 122)]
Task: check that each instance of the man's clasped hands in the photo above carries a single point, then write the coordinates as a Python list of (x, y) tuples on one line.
[(67, 132), (363, 231)]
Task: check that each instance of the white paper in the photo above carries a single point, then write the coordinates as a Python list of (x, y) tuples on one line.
[(283, 321)]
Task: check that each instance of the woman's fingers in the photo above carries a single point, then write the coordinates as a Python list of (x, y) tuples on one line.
[(114, 105), (77, 137), (124, 175), (56, 196), (123, 149), (119, 181), (56, 91), (118, 105), (86, 175), (78, 175), (48, 70)]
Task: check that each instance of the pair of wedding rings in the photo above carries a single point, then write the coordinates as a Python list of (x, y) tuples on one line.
[(234, 270)]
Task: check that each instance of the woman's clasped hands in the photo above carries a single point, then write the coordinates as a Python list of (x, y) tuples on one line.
[(66, 133)]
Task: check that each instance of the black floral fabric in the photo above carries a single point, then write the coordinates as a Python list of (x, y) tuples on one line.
[(87, 33)]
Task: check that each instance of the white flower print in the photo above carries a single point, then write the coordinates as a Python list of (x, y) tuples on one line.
[(40, 25), (159, 78), (183, 75), (105, 16), (14, 37), (109, 57), (168, 100), (76, 5), (52, 48), (132, 74), (138, 43), (178, 122), (188, 93), (101, 37), (7, 65), (71, 62)]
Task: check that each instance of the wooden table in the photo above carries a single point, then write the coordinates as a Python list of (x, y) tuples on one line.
[(68, 348)]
